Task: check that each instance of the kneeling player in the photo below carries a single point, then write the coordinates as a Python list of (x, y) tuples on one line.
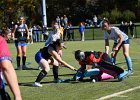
[(102, 67)]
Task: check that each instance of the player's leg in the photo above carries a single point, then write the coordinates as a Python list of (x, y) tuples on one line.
[(24, 48), (107, 64), (127, 57), (18, 58), (55, 70), (114, 54), (44, 63)]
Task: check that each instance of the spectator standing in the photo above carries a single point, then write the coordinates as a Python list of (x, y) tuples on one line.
[(38, 33), (35, 33), (131, 27), (82, 31), (65, 27), (126, 28), (95, 20), (122, 26), (70, 35), (58, 20), (30, 35)]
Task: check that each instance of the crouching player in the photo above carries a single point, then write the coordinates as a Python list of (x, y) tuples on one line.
[(49, 56), (102, 67)]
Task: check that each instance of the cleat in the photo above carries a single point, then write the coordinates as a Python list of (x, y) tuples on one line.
[(19, 68), (130, 72), (37, 84), (123, 75), (58, 80), (24, 67), (40, 68)]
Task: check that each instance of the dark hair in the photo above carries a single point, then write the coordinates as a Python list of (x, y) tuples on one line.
[(5, 31), (58, 42), (106, 21)]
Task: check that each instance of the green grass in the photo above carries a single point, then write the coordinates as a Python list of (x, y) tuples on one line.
[(76, 90)]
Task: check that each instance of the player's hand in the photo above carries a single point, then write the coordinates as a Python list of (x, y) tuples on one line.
[(28, 38), (115, 49), (75, 69)]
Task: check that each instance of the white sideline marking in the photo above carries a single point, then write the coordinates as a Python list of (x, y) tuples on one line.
[(118, 93)]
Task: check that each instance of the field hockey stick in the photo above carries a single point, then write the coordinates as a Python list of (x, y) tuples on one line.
[(111, 52)]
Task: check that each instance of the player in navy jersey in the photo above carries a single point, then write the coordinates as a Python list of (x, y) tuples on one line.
[(49, 56), (20, 35)]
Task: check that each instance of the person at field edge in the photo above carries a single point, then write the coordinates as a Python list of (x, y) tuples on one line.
[(7, 69), (82, 31), (49, 56), (131, 27), (120, 40), (20, 35), (102, 66)]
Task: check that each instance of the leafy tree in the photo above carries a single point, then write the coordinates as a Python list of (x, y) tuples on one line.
[(128, 15), (115, 15)]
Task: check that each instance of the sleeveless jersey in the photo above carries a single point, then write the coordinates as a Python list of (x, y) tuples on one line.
[(20, 33), (45, 52)]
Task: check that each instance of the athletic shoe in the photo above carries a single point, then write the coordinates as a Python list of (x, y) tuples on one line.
[(58, 80), (130, 72), (40, 68), (19, 68), (24, 67), (37, 84), (122, 75)]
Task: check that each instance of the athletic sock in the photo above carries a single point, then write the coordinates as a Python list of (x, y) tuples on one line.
[(129, 63), (55, 72), (41, 75), (113, 59), (18, 61), (23, 60)]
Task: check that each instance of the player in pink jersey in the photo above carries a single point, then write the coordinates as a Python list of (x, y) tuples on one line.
[(7, 69)]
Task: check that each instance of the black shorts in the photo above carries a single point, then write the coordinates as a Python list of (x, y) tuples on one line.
[(4, 95)]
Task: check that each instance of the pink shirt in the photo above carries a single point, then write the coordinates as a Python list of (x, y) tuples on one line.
[(4, 54)]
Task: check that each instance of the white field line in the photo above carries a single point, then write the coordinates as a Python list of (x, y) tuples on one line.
[(118, 93)]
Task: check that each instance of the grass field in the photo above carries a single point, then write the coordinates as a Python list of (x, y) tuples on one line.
[(77, 90)]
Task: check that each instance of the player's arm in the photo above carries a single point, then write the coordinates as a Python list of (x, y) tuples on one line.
[(27, 31), (107, 46), (13, 32), (58, 58), (11, 78)]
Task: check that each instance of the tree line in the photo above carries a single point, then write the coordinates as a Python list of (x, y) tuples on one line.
[(76, 10)]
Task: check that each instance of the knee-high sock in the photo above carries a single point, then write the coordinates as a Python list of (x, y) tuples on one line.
[(55, 72), (113, 59), (129, 63), (18, 61), (23, 60), (41, 75)]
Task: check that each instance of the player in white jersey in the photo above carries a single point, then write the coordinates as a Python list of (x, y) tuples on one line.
[(120, 40), (54, 35)]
